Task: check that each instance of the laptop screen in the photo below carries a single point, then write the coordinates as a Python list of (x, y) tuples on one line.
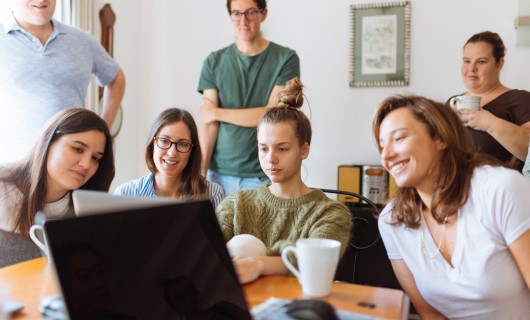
[(162, 262), (87, 202)]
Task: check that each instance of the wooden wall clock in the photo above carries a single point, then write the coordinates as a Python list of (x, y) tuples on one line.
[(107, 19)]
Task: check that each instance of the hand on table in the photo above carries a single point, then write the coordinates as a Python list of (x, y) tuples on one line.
[(248, 269)]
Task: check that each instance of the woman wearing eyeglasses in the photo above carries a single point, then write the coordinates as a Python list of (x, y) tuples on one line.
[(173, 155), (238, 82)]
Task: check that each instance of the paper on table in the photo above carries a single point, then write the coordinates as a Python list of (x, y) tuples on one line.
[(274, 309)]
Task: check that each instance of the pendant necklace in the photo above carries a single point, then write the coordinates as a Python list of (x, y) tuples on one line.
[(426, 250)]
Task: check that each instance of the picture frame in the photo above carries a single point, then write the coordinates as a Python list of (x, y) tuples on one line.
[(380, 44)]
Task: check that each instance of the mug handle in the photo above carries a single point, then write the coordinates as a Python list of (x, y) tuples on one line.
[(36, 240), (286, 261), (452, 102)]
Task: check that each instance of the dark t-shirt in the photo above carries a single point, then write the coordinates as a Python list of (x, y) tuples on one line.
[(512, 106)]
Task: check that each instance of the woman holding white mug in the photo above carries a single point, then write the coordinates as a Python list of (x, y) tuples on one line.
[(274, 216), (74, 151), (501, 127)]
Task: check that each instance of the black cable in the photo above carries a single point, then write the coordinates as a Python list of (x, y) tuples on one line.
[(369, 202)]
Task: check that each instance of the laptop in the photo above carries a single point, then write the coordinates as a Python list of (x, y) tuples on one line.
[(88, 202), (163, 261)]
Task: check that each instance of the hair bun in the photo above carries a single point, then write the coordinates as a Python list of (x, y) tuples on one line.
[(291, 96)]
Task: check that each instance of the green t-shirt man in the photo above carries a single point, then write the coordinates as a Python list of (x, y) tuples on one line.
[(244, 82)]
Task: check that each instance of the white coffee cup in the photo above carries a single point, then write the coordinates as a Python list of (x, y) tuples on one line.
[(42, 244), (465, 102), (317, 263)]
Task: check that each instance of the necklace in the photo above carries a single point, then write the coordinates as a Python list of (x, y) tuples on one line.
[(424, 248)]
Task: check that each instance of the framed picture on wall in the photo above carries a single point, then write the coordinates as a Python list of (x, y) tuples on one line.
[(380, 44)]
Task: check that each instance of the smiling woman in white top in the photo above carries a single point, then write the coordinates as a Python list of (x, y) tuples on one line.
[(173, 155), (73, 152), (458, 229)]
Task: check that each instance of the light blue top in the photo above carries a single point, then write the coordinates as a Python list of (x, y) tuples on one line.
[(37, 81), (144, 187)]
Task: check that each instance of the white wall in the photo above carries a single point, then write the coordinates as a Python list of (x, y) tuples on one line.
[(5, 7), (161, 45)]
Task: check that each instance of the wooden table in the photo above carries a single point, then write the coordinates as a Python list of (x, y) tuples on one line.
[(389, 303), (29, 281)]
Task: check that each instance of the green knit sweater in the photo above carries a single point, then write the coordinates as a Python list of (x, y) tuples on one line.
[(279, 222)]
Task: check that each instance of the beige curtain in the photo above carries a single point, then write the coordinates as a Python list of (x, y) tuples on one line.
[(82, 14)]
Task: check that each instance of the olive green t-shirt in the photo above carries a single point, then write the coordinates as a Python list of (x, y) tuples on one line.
[(244, 82)]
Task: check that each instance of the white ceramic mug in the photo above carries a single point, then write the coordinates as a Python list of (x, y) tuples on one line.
[(42, 244), (317, 263), (465, 102)]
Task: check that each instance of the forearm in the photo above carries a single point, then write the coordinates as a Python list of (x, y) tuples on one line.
[(248, 117), (207, 140), (520, 251), (112, 96), (512, 137), (271, 265), (251, 268)]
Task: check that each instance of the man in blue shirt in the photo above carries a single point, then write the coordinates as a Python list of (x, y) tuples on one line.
[(46, 67)]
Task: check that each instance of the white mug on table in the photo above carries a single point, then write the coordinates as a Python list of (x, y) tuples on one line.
[(317, 263), (36, 229)]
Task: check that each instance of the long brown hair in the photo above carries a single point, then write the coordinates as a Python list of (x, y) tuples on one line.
[(287, 109), (30, 175), (192, 183), (457, 163)]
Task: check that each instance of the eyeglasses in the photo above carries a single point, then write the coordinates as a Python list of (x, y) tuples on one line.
[(164, 143), (251, 14)]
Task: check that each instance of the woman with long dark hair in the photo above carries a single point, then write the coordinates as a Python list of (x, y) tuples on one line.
[(73, 152)]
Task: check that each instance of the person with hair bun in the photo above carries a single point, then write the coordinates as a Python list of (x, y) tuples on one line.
[(259, 223), (173, 156), (501, 127)]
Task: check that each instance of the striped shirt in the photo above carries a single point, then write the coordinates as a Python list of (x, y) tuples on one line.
[(145, 187)]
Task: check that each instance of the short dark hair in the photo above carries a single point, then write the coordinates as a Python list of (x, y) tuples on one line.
[(262, 4), (491, 38)]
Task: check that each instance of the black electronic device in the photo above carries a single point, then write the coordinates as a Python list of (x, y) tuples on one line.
[(311, 309), (145, 261)]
